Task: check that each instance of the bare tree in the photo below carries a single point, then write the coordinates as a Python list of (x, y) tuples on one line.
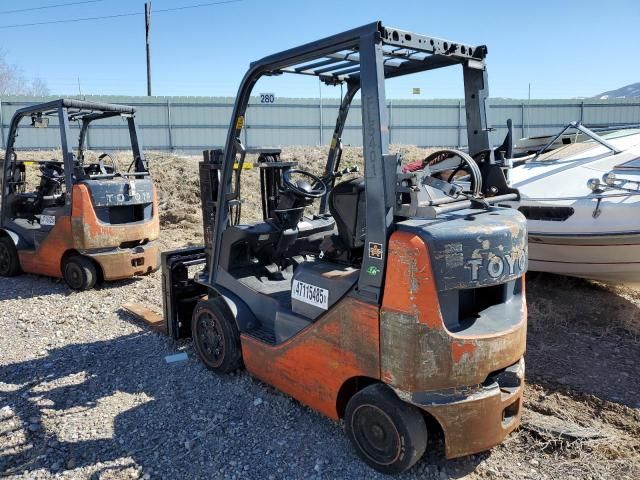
[(14, 82), (39, 87)]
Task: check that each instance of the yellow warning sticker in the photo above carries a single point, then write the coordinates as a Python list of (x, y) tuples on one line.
[(245, 166), (334, 141), (240, 122)]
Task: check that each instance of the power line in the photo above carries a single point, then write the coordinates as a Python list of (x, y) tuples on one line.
[(196, 6), (70, 20), (119, 15), (49, 6)]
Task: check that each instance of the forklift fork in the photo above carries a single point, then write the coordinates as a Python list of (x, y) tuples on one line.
[(180, 291)]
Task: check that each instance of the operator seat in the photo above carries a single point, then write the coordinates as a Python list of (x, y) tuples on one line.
[(347, 205)]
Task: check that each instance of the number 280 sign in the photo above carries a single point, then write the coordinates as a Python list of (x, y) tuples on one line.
[(267, 98)]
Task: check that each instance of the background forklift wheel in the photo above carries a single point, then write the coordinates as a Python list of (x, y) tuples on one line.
[(387, 433), (9, 261), (216, 337), (80, 273)]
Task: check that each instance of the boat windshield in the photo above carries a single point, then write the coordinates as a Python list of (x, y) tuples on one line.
[(630, 165), (618, 133), (581, 128)]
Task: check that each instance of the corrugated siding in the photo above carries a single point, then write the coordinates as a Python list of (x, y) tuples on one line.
[(196, 123)]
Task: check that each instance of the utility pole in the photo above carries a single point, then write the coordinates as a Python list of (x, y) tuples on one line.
[(529, 110), (320, 90), (147, 25)]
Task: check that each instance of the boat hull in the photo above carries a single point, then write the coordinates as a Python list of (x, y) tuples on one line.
[(579, 225), (611, 258)]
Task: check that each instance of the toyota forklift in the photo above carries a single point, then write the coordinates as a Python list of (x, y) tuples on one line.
[(85, 219), (393, 300)]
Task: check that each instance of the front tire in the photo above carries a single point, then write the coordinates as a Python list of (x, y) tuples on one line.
[(9, 261), (387, 433), (79, 273), (216, 337)]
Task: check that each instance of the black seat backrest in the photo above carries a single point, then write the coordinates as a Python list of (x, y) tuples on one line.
[(347, 206)]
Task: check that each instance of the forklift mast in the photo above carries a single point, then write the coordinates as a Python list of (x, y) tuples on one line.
[(65, 110)]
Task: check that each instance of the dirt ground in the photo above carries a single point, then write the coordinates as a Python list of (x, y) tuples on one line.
[(77, 373)]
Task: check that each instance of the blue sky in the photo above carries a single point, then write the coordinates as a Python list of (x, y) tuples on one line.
[(563, 48)]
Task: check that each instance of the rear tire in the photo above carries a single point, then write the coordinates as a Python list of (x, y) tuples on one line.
[(216, 337), (79, 273), (9, 260), (388, 434)]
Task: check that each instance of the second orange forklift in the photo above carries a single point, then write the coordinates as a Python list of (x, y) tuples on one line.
[(85, 221)]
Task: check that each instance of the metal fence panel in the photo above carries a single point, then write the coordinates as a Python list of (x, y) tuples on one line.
[(196, 123)]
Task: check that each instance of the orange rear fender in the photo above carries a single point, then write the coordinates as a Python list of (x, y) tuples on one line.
[(89, 232), (314, 365)]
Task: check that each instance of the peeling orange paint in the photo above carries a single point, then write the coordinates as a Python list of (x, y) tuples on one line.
[(409, 284), (89, 232), (459, 349), (313, 365)]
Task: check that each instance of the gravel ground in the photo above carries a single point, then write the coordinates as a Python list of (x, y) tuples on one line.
[(85, 392)]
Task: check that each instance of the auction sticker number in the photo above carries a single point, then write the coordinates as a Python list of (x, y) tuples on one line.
[(316, 296), (267, 98), (47, 220)]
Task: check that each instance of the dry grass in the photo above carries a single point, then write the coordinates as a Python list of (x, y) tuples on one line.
[(176, 177)]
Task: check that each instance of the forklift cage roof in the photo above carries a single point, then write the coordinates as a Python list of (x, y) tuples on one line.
[(68, 110), (362, 58), (336, 59), (77, 108), (79, 104)]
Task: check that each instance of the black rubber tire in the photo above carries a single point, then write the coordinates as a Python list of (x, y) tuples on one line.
[(79, 273), (9, 260), (388, 434), (216, 337)]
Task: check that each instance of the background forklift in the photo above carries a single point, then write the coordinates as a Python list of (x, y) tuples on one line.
[(85, 220), (401, 299)]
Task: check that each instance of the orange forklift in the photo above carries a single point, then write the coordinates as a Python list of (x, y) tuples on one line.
[(85, 221), (394, 299)]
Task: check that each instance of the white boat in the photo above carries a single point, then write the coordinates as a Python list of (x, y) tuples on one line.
[(582, 202)]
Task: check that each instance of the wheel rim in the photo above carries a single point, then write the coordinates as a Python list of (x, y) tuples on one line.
[(210, 338), (5, 258), (73, 275), (376, 434)]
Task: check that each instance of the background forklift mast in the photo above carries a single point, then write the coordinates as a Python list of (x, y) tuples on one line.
[(86, 220), (401, 299)]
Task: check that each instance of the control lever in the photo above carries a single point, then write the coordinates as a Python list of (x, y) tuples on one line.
[(447, 188), (346, 171)]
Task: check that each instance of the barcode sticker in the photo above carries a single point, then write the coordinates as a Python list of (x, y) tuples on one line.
[(47, 220), (311, 294)]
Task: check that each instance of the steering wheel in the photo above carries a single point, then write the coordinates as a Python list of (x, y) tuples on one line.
[(103, 170), (466, 163), (52, 171), (317, 192)]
